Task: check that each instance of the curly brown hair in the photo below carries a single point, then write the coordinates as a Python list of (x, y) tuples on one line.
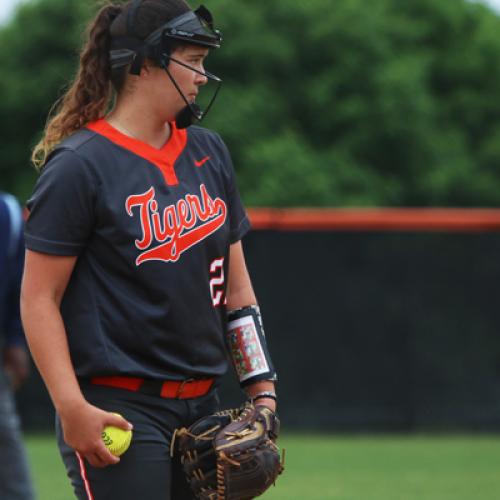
[(90, 95)]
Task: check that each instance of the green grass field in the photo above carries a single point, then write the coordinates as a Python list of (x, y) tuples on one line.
[(347, 468)]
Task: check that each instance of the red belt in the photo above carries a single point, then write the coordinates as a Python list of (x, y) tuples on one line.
[(176, 389)]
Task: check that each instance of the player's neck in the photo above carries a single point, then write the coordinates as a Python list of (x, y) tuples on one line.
[(139, 125)]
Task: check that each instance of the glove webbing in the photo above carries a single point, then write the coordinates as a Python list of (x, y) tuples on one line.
[(184, 432)]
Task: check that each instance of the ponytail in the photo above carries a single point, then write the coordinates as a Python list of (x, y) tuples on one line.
[(89, 96)]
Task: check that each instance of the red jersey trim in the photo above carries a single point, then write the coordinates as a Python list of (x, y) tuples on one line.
[(163, 158)]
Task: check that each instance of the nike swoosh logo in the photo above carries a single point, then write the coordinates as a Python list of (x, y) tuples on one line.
[(202, 161)]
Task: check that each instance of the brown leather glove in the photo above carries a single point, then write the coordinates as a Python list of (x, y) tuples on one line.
[(231, 455)]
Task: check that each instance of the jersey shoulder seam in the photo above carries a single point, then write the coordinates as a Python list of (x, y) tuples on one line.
[(82, 159), (77, 140)]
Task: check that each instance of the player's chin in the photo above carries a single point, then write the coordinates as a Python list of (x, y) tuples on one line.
[(181, 106)]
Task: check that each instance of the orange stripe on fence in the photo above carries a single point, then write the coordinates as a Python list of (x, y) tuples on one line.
[(376, 219)]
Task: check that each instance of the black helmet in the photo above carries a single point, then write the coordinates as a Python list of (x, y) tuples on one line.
[(193, 27)]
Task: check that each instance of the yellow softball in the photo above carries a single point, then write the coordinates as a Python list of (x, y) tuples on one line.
[(116, 440)]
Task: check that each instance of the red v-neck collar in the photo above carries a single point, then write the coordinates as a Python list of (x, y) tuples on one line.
[(164, 158)]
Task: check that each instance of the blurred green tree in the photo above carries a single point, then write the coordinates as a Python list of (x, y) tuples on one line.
[(38, 53), (340, 103), (388, 103)]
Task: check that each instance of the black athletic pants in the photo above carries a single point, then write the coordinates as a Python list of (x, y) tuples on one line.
[(146, 471)]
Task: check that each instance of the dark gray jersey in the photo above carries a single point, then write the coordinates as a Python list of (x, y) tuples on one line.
[(151, 229)]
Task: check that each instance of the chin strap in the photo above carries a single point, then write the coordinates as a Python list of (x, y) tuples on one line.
[(191, 113), (187, 116)]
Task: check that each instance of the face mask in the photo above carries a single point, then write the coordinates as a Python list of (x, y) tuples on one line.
[(193, 27)]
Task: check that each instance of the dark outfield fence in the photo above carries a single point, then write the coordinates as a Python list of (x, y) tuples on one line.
[(377, 320)]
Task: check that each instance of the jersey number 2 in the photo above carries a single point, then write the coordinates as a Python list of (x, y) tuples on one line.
[(217, 282)]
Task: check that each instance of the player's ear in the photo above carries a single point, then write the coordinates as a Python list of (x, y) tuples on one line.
[(146, 68)]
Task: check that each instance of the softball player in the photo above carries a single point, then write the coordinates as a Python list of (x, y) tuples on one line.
[(135, 287)]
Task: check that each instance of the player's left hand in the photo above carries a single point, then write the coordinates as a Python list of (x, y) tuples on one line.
[(268, 403), (232, 453), (17, 365)]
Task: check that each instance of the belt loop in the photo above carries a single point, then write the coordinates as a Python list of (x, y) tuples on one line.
[(180, 389)]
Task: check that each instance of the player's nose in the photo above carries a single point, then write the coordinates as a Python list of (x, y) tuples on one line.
[(201, 80)]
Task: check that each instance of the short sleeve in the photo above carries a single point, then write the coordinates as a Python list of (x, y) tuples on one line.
[(62, 207), (239, 222)]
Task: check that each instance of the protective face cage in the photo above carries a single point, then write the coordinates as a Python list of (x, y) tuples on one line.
[(193, 27)]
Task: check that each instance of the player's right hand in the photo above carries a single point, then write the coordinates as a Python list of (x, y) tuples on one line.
[(82, 426)]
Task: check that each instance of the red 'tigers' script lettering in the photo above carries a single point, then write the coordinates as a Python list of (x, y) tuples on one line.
[(173, 231)]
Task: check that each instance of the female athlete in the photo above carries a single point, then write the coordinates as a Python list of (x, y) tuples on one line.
[(135, 291)]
